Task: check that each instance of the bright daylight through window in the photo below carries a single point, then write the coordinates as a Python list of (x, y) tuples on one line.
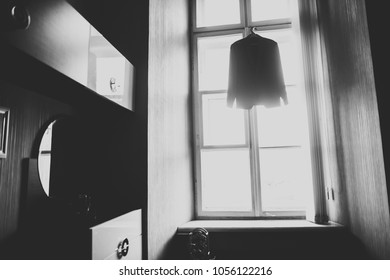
[(249, 163)]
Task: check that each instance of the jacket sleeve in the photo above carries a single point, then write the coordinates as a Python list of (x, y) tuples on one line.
[(231, 92), (279, 76)]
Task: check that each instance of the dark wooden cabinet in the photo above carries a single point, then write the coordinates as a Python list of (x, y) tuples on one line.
[(54, 34), (57, 35)]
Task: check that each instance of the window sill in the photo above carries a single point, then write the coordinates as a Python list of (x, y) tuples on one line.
[(255, 226)]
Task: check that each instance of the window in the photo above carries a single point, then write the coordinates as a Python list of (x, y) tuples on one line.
[(249, 163)]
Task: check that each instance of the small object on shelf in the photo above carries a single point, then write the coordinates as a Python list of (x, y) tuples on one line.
[(4, 124), (198, 244), (20, 17), (110, 74)]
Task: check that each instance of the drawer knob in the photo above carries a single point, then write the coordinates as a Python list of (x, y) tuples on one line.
[(20, 17), (123, 248)]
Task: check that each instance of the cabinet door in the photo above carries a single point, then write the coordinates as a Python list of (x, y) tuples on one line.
[(57, 35)]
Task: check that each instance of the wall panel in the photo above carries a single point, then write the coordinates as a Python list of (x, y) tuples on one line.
[(170, 192), (29, 114), (347, 45)]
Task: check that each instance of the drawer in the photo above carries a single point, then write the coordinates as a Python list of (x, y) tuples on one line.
[(119, 238)]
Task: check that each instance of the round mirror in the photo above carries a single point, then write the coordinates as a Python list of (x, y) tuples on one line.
[(67, 167), (62, 158), (68, 164), (44, 158)]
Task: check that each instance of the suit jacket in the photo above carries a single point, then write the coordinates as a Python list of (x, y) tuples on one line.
[(255, 73)]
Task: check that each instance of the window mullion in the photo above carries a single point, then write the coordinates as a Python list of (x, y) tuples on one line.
[(253, 142), (244, 12), (255, 162), (248, 15)]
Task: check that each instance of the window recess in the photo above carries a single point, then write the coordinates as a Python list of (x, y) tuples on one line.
[(260, 163)]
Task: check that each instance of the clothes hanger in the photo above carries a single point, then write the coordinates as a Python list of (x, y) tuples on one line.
[(252, 33)]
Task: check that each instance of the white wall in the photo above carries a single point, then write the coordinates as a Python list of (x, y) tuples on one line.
[(170, 184)]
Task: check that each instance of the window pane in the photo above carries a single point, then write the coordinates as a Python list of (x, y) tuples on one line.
[(213, 61), (221, 124), (282, 126), (284, 179), (288, 53), (226, 181), (217, 12), (270, 9)]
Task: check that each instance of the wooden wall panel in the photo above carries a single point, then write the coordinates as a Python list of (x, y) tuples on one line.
[(377, 24), (347, 46), (170, 185), (29, 114)]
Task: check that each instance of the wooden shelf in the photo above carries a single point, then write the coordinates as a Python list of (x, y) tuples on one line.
[(28, 72)]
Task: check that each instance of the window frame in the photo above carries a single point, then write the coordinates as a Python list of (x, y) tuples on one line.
[(250, 119)]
